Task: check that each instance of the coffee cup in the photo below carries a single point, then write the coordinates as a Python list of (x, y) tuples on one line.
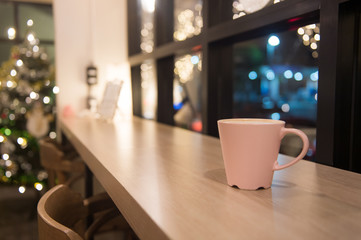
[(250, 149)]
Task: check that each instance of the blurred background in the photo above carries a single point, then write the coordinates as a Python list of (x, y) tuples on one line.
[(27, 111)]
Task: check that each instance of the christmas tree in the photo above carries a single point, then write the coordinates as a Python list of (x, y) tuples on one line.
[(27, 107)]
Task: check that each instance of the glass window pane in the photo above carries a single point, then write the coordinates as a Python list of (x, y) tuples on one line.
[(42, 17), (187, 91), (188, 21), (5, 49), (245, 7), (149, 89), (276, 76), (147, 26), (6, 19)]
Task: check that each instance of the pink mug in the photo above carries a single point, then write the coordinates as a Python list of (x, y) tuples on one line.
[(250, 149)]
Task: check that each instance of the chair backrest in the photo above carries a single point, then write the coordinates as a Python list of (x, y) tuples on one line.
[(52, 158), (61, 214)]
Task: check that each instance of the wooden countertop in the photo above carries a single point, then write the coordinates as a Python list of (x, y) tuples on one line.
[(170, 183)]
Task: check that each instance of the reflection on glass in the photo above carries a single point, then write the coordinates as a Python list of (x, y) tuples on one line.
[(149, 89), (188, 20), (276, 77), (310, 36), (187, 90), (147, 31), (244, 7)]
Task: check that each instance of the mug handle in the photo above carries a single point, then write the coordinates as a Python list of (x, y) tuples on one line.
[(306, 144)]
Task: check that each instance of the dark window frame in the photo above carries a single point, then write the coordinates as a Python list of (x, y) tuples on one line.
[(218, 35), (16, 5)]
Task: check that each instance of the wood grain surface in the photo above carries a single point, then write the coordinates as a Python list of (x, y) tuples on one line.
[(170, 183)]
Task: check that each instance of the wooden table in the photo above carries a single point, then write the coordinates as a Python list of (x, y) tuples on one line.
[(170, 183)]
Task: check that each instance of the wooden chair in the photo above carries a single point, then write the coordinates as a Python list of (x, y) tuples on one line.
[(62, 215), (62, 164)]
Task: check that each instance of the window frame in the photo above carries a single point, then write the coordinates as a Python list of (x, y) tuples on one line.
[(216, 39)]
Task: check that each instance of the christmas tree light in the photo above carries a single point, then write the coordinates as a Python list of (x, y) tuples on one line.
[(26, 112)]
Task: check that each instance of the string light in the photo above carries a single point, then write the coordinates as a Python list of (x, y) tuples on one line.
[(56, 90), (10, 84), (34, 95), (30, 23), (22, 142), (12, 117), (317, 37), (13, 72), (22, 189), (8, 163), (273, 41), (252, 75), (46, 100), (7, 132), (8, 174), (285, 107), (19, 63), (11, 33), (298, 76), (149, 89), (184, 68), (310, 37), (38, 186), (244, 7), (31, 37), (36, 48), (288, 74), (52, 135), (29, 82), (189, 23)]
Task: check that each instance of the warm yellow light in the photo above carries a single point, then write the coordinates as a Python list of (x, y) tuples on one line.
[(52, 135), (300, 31), (34, 95), (38, 186), (30, 22), (13, 72), (22, 141), (31, 37), (9, 84), (19, 63), (8, 163), (317, 37), (148, 5), (313, 46), (11, 33), (12, 116), (315, 54), (36, 48)]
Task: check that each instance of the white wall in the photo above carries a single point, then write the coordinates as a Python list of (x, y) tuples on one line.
[(90, 31)]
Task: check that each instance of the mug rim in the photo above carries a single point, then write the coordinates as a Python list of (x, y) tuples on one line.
[(253, 121)]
